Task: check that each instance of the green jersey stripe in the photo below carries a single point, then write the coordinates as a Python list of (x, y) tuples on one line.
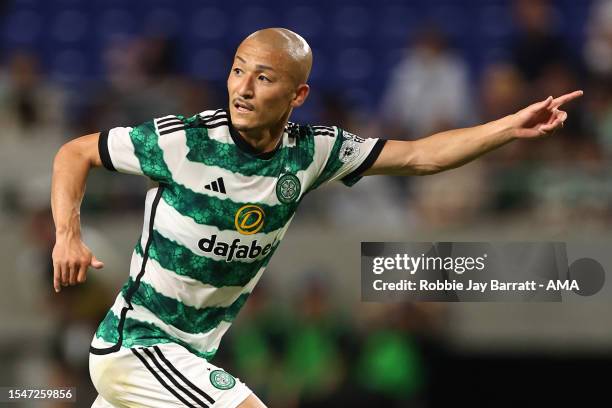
[(149, 153), (182, 261), (188, 319), (203, 149), (139, 333), (209, 210)]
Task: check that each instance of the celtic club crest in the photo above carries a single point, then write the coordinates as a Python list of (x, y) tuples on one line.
[(222, 380), (288, 188)]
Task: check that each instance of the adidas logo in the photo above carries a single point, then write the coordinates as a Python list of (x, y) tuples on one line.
[(216, 185)]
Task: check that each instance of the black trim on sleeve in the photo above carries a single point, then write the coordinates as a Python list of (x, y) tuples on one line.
[(368, 162), (103, 151)]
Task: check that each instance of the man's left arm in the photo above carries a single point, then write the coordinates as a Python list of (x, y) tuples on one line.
[(454, 148)]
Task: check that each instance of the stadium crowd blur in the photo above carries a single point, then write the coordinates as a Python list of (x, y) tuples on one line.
[(447, 71)]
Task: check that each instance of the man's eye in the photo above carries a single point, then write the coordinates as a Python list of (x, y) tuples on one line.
[(264, 78), (237, 71)]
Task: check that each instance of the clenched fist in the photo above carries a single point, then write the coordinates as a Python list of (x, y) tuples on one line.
[(71, 258)]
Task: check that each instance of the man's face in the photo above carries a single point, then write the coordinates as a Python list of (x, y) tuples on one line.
[(260, 86)]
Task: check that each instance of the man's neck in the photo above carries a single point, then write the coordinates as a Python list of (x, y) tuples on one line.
[(266, 139), (263, 140)]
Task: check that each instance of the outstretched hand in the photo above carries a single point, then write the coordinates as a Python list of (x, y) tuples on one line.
[(542, 118)]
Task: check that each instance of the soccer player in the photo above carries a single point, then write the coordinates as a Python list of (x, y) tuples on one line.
[(228, 182)]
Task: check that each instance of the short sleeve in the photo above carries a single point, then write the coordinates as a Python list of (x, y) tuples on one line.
[(143, 149), (347, 155)]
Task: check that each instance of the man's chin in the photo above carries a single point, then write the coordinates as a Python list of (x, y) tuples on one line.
[(240, 122), (242, 125)]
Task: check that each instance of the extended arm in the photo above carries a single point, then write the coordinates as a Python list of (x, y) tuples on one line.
[(72, 163), (454, 148)]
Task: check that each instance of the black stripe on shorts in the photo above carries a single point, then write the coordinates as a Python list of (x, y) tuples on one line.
[(172, 379), (182, 377), (161, 380)]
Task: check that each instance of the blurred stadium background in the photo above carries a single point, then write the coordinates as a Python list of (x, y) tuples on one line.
[(390, 68)]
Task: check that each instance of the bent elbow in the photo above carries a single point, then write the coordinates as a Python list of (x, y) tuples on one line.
[(69, 152), (83, 149)]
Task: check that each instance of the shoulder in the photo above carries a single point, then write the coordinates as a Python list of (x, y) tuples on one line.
[(202, 119), (309, 131), (211, 115)]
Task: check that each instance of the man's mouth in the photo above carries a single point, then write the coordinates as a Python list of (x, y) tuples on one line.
[(243, 106)]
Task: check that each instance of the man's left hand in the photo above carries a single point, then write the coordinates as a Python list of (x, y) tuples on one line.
[(541, 118)]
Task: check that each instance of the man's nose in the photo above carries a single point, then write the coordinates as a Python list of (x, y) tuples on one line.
[(245, 87)]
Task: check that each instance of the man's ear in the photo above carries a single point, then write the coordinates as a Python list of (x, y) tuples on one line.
[(301, 93)]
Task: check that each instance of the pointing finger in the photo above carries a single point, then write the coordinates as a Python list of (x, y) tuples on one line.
[(567, 98)]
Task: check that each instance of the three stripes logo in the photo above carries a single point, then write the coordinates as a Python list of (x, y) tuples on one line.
[(217, 186), (173, 123), (324, 131), (169, 125)]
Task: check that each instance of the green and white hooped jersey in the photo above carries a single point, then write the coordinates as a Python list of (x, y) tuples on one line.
[(213, 222)]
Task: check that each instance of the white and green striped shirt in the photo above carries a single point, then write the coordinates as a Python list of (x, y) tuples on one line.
[(214, 220)]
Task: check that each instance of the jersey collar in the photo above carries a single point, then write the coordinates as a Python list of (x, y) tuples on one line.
[(246, 147)]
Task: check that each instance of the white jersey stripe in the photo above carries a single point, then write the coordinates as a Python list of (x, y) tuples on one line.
[(123, 156), (190, 291)]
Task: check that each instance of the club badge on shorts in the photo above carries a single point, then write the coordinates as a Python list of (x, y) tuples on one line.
[(222, 380), (288, 188)]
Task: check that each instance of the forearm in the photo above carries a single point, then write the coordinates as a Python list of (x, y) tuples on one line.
[(72, 163), (442, 151), (70, 170), (454, 148)]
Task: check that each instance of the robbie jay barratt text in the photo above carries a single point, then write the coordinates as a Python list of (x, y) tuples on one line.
[(493, 285)]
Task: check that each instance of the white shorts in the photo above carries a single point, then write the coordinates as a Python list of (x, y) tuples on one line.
[(164, 375)]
